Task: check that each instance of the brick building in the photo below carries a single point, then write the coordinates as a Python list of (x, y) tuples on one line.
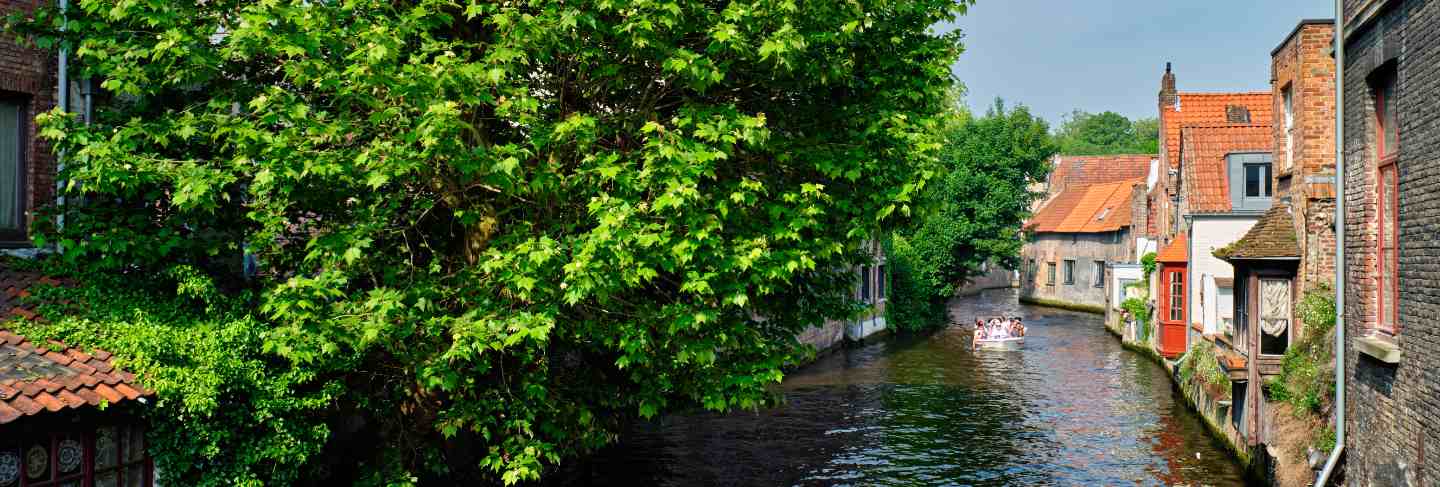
[(1290, 249), (1074, 238), (27, 167), (1392, 209)]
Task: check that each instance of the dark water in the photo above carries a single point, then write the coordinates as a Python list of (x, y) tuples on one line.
[(1073, 408)]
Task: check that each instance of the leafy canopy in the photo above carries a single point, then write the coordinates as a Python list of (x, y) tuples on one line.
[(1094, 134), (972, 212), (496, 231)]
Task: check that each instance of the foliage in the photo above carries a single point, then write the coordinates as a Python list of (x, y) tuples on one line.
[(200, 351), (1148, 264), (911, 305), (1307, 377), (1139, 310), (1090, 134), (507, 228), (1200, 364), (972, 212)]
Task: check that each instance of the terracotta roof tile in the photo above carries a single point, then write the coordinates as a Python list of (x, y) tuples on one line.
[(1089, 209), (1175, 252), (1209, 109), (1272, 237), (1206, 182), (1076, 171), (56, 377)]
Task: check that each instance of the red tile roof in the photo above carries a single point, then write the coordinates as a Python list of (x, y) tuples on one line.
[(1087, 209), (1206, 183), (1175, 252), (35, 380), (1075, 171), (1210, 109)]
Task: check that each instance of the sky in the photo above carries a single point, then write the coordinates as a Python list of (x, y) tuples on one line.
[(1096, 55)]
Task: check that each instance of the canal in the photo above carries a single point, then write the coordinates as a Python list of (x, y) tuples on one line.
[(1073, 408)]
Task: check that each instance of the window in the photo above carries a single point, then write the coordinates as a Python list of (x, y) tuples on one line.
[(1177, 295), (1387, 197), (880, 282), (1287, 99), (1069, 272), (1099, 273), (1033, 270), (1050, 274), (1274, 316), (12, 170), (111, 456), (865, 295), (1257, 180)]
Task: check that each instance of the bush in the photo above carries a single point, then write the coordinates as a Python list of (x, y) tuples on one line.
[(1147, 263), (912, 305), (1306, 379), (1200, 365), (1138, 309)]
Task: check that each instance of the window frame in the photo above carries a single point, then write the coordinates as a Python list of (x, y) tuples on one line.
[(1260, 315), (11, 237), (1264, 181), (1069, 272), (1387, 193), (1287, 102), (1099, 268), (1050, 273), (880, 283), (1176, 278)]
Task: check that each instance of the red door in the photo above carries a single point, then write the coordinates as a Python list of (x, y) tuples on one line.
[(1172, 310)]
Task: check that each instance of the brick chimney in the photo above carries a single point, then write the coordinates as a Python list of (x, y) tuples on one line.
[(1167, 89)]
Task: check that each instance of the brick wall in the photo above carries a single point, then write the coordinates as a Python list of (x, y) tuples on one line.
[(29, 75), (1394, 410), (1303, 65)]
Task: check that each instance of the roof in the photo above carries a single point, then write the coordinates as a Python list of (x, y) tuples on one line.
[(1272, 237), (35, 380), (1072, 171), (1206, 180), (1176, 251), (1209, 109), (1087, 209)]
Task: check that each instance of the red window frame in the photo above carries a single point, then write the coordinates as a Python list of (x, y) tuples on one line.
[(1387, 202)]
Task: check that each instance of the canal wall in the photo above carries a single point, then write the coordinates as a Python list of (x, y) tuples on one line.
[(991, 276), (1213, 406)]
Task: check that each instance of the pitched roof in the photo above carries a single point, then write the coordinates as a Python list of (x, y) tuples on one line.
[(1210, 109), (1087, 209), (1075, 171), (35, 380), (1176, 251), (1206, 183), (1272, 237)]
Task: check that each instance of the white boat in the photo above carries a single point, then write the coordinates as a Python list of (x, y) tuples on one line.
[(997, 337)]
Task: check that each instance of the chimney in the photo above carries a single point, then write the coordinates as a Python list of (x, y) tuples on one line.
[(1167, 88), (1237, 114)]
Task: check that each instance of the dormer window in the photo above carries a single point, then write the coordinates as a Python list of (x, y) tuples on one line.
[(1257, 180), (1251, 186)]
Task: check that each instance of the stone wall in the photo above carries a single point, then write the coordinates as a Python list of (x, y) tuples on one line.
[(1303, 65), (1392, 408), (1084, 249), (28, 75), (992, 276)]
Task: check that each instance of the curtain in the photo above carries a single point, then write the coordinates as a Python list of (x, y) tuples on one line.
[(1274, 306), (11, 180)]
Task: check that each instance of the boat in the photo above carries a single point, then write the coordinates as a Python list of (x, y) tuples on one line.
[(998, 337)]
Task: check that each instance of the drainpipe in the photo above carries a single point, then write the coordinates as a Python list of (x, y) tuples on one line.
[(63, 101), (1339, 247)]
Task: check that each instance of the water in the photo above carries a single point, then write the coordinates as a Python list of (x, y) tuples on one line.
[(1073, 408)]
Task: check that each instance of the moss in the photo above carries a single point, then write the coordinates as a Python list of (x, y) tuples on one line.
[(1052, 303)]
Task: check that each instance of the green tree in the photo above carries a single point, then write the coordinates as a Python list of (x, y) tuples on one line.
[(972, 212), (488, 234), (1084, 133)]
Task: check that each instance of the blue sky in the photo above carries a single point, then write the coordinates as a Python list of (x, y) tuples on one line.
[(1097, 55)]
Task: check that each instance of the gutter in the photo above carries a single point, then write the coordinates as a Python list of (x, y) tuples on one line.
[(1334, 459), (63, 102)]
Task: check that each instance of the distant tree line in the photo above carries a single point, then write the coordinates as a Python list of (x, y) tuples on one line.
[(1083, 133)]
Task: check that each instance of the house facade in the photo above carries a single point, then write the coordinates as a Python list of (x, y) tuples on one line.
[(871, 289), (1391, 176), (1074, 240)]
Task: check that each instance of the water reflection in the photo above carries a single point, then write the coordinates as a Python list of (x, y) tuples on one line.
[(1073, 408)]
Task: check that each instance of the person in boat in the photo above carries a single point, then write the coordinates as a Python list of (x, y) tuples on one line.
[(1017, 327)]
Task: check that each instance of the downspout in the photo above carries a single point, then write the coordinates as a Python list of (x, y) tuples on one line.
[(1339, 247), (63, 101)]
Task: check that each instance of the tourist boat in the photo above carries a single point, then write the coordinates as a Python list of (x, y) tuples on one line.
[(997, 337)]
